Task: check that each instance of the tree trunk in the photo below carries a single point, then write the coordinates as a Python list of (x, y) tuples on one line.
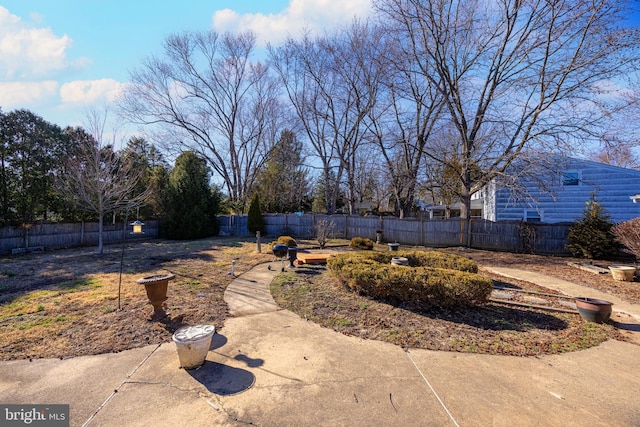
[(465, 204), (465, 214), (100, 239)]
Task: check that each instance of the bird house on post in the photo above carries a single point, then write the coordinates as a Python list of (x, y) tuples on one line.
[(137, 227)]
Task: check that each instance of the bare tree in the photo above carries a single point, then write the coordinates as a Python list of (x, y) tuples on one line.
[(628, 233), (208, 96), (441, 186), (331, 82), (514, 74), (617, 153), (620, 138), (371, 178), (324, 231), (407, 113), (301, 68), (96, 179)]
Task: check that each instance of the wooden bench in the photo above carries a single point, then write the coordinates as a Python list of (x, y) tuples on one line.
[(312, 258)]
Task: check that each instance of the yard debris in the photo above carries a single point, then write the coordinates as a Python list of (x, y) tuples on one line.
[(586, 266)]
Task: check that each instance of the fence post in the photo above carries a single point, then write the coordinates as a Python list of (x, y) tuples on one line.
[(286, 224), (346, 227), (258, 239)]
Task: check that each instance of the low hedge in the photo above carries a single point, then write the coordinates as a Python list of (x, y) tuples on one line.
[(361, 243), (432, 278), (433, 259)]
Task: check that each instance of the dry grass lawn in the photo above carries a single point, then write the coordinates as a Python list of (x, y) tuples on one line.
[(64, 303)]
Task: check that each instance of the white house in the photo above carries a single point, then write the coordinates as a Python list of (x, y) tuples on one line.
[(560, 195)]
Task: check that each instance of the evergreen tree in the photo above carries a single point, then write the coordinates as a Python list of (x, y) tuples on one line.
[(319, 204), (154, 177), (591, 237), (30, 153), (190, 205), (283, 183), (255, 222)]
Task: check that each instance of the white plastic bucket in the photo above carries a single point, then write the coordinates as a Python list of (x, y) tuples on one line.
[(193, 344)]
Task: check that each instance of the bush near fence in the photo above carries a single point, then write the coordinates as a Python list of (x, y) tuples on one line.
[(508, 236)]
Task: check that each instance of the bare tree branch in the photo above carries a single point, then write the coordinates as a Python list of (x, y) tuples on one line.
[(96, 179), (514, 75), (207, 96)]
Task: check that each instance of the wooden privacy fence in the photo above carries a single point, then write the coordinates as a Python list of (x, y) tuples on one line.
[(510, 236), (480, 234), (58, 235)]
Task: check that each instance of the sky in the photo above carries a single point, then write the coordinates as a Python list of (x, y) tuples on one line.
[(60, 57)]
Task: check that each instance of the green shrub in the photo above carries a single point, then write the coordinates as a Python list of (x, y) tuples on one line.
[(286, 240), (433, 278), (189, 203), (361, 243), (255, 221), (433, 259), (591, 237), (437, 259)]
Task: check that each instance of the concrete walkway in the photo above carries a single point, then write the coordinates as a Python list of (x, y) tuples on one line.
[(269, 367), (569, 288)]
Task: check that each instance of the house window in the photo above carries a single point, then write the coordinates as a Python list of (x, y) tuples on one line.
[(532, 216), (570, 178)]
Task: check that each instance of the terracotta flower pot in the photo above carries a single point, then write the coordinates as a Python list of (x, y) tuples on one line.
[(156, 287), (594, 310)]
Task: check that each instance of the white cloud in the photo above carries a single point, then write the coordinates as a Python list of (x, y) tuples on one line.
[(314, 15), (81, 92), (27, 52), (23, 94), (225, 19)]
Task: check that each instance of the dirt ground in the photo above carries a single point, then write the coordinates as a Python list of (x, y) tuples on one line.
[(66, 303)]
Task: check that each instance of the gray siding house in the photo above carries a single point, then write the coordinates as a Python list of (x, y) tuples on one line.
[(560, 195)]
